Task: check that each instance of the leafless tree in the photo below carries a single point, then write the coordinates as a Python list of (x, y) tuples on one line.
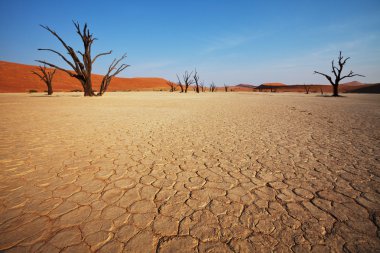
[(307, 88), (82, 69), (46, 77), (202, 85), (113, 70), (225, 88), (173, 86), (212, 87), (337, 71), (321, 91), (180, 84), (187, 80), (196, 81)]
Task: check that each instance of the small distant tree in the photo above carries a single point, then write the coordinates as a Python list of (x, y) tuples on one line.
[(337, 71), (225, 88), (46, 77), (307, 88), (212, 87), (113, 70), (187, 80), (202, 85), (196, 81), (173, 86), (321, 91), (180, 84)]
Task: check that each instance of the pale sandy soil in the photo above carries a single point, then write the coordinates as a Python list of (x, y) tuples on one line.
[(162, 172)]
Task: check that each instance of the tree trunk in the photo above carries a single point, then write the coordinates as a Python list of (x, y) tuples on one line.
[(335, 90), (87, 87), (50, 89)]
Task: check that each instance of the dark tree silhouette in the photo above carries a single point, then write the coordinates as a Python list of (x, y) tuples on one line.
[(337, 71), (180, 84), (187, 80), (47, 77), (212, 87), (225, 88), (113, 70), (196, 81), (173, 86), (202, 85), (307, 88), (82, 69)]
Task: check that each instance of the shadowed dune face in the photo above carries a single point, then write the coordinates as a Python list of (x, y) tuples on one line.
[(169, 172), (16, 77)]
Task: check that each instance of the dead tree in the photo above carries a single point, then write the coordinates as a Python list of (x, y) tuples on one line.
[(180, 84), (187, 80), (307, 88), (321, 91), (225, 88), (202, 85), (196, 81), (337, 71), (46, 77), (82, 69), (172, 86), (212, 87), (113, 70)]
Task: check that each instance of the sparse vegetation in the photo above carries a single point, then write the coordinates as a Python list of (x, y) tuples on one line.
[(337, 71), (212, 87), (187, 80), (307, 88), (196, 81), (180, 84), (46, 77), (202, 85), (83, 69), (113, 70), (173, 86)]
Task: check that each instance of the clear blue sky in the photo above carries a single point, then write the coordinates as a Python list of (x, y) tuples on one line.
[(228, 41)]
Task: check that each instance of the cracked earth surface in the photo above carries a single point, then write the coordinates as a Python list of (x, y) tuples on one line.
[(214, 172)]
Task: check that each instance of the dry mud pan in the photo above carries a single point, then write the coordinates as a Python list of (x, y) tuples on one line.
[(211, 172)]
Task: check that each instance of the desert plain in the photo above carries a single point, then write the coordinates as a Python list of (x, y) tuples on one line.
[(171, 172)]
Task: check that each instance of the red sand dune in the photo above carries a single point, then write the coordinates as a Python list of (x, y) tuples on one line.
[(274, 84), (16, 77)]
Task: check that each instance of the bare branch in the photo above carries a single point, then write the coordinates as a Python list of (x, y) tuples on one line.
[(327, 76), (351, 74), (61, 55), (55, 66), (101, 54)]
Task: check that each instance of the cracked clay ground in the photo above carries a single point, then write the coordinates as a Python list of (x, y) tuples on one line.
[(212, 172)]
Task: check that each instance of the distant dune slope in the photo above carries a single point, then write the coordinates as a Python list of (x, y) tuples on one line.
[(371, 88), (15, 77)]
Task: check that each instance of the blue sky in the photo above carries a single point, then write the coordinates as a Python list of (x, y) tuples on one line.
[(228, 41)]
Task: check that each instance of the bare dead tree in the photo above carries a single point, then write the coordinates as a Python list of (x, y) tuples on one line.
[(225, 88), (196, 80), (321, 91), (337, 71), (113, 70), (180, 84), (307, 88), (212, 87), (187, 80), (202, 85), (173, 86), (46, 77), (82, 69)]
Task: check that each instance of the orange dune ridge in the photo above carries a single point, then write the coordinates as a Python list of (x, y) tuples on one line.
[(15, 77)]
